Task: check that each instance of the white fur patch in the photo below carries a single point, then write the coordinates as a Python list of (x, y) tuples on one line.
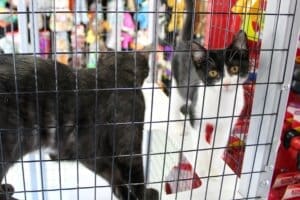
[(221, 102), (177, 119)]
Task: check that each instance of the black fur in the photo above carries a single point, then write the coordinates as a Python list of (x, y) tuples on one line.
[(192, 62), (51, 108)]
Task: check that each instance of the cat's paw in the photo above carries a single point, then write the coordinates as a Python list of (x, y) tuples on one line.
[(53, 156), (6, 192), (151, 194)]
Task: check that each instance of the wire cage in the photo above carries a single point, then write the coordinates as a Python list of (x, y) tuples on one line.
[(76, 34)]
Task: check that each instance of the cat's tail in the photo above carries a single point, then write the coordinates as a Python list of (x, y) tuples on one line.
[(186, 33)]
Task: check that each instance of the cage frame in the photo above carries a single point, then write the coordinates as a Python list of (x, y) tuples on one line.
[(253, 184), (279, 33)]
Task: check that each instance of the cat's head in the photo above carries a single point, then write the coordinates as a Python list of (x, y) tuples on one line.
[(227, 66), (131, 68)]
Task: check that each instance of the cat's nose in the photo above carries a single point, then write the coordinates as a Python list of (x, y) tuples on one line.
[(227, 84)]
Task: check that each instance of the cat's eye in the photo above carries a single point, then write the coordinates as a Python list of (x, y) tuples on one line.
[(234, 69), (213, 73)]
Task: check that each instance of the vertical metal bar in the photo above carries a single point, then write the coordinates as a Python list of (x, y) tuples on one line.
[(189, 50), (23, 31), (118, 18), (133, 117), (256, 156), (201, 123), (184, 122), (198, 138), (152, 16), (257, 48), (113, 7), (19, 130), (57, 125), (34, 35), (81, 14), (96, 139), (217, 117), (152, 30), (169, 106), (234, 106), (76, 100), (24, 48), (119, 21)]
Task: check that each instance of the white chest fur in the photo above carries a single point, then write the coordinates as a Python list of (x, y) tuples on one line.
[(217, 101), (220, 108), (217, 106)]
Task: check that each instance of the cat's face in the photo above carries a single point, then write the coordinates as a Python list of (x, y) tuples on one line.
[(225, 67)]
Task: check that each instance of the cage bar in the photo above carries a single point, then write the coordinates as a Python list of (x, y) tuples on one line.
[(164, 154)]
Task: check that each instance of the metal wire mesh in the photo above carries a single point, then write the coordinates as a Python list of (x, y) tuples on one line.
[(78, 33)]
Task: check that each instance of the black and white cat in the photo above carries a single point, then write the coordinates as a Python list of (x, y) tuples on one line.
[(43, 106), (207, 90)]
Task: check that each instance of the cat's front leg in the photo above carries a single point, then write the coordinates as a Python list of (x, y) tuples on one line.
[(179, 119), (137, 188), (179, 125)]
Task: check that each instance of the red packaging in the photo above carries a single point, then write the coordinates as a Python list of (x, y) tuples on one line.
[(286, 179), (286, 162), (292, 192), (298, 56), (182, 178), (221, 24), (234, 154)]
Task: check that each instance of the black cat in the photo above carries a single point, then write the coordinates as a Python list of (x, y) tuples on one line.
[(96, 119)]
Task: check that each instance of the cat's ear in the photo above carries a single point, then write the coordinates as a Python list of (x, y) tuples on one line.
[(240, 41), (146, 51), (198, 51)]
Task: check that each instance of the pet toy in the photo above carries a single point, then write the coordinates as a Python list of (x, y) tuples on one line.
[(177, 20), (141, 40), (141, 16), (253, 21), (81, 12), (97, 26), (200, 19), (128, 29), (62, 20), (5, 13), (78, 45), (115, 20), (45, 43), (131, 5), (162, 21), (62, 45)]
